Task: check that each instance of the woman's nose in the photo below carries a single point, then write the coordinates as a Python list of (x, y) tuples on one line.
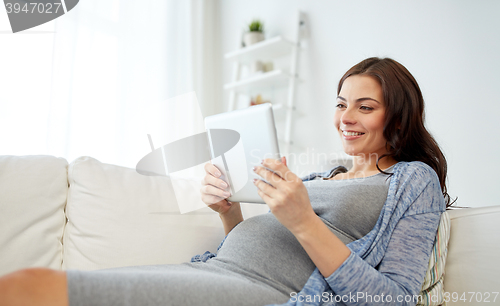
[(348, 117)]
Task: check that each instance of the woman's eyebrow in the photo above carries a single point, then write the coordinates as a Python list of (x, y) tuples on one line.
[(358, 100), (366, 98)]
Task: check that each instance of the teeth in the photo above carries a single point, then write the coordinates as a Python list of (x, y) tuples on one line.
[(351, 133)]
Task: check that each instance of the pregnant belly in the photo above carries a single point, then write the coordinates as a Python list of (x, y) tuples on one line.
[(263, 249)]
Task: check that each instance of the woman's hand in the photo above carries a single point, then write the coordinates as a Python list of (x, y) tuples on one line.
[(212, 194), (214, 190), (287, 197), (289, 202)]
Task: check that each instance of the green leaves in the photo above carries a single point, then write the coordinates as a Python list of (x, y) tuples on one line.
[(256, 26)]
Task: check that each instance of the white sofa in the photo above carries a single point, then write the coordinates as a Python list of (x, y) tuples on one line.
[(90, 215)]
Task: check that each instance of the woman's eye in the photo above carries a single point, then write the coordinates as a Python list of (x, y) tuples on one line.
[(340, 105), (366, 108)]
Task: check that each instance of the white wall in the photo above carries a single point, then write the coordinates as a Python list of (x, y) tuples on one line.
[(25, 77), (451, 47)]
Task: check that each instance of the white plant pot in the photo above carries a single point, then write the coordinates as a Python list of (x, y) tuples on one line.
[(256, 67), (251, 38)]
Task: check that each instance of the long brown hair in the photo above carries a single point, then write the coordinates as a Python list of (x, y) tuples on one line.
[(407, 137)]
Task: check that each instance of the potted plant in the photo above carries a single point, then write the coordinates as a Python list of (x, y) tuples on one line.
[(254, 34)]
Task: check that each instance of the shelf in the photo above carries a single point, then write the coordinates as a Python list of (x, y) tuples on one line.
[(261, 82), (265, 50), (280, 84), (275, 107)]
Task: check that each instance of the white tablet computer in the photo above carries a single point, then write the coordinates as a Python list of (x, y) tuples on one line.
[(238, 141)]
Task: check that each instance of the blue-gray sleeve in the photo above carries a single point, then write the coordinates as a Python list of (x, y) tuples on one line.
[(207, 255), (401, 272)]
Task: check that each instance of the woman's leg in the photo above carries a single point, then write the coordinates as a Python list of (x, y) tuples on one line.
[(34, 286), (183, 284)]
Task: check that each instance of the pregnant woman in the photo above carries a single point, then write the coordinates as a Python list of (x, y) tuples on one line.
[(333, 237)]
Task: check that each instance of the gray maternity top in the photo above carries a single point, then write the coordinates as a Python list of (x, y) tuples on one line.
[(260, 262)]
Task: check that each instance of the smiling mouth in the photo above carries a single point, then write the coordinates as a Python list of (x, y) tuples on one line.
[(345, 133)]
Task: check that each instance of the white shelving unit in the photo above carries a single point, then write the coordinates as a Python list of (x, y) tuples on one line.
[(268, 50), (259, 82)]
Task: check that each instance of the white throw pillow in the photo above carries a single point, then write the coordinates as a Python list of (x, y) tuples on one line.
[(32, 197), (117, 217)]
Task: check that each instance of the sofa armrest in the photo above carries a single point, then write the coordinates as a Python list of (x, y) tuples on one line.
[(33, 193), (473, 252)]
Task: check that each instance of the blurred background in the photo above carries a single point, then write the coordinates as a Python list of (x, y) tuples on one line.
[(90, 82)]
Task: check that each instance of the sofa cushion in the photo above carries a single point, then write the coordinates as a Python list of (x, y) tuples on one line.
[(471, 271), (33, 193), (117, 217), (432, 292)]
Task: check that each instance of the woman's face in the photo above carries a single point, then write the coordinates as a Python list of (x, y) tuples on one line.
[(359, 116)]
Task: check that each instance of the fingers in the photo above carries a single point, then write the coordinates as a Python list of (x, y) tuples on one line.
[(282, 181), (210, 180), (271, 177), (212, 176), (212, 187), (211, 194), (264, 196), (263, 188), (276, 172), (280, 168), (210, 168), (213, 190)]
